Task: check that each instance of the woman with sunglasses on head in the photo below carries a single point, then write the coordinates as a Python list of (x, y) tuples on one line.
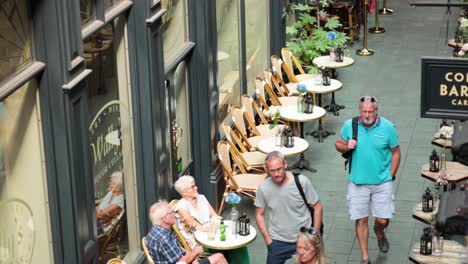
[(310, 249)]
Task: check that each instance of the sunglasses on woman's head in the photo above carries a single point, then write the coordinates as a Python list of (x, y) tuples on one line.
[(367, 98), (310, 230)]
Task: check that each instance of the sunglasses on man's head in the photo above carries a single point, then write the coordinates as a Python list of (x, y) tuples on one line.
[(310, 230), (367, 98)]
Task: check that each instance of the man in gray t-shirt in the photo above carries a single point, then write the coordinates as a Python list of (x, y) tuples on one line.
[(287, 211)]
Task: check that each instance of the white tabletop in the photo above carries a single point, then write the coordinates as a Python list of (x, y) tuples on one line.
[(290, 113), (232, 241), (324, 61), (320, 88), (267, 145)]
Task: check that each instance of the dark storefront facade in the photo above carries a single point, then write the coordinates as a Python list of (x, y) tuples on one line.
[(102, 98)]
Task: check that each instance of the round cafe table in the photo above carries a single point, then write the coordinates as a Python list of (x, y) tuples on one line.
[(320, 89), (325, 61), (268, 145), (290, 114), (233, 248)]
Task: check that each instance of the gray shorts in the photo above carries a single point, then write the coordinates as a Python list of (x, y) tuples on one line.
[(379, 197)]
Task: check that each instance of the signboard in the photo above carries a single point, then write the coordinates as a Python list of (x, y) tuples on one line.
[(444, 88)]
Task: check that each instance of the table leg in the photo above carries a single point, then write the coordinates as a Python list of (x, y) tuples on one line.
[(333, 106), (302, 163), (320, 133)]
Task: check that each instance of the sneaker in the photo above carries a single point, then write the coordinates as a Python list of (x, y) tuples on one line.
[(365, 261), (383, 244)]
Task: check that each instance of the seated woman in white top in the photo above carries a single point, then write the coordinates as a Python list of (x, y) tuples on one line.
[(112, 204), (193, 208)]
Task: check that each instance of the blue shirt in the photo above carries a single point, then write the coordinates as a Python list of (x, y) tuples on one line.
[(163, 245), (372, 157)]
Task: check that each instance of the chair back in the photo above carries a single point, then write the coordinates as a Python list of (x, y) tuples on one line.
[(145, 249), (176, 226), (249, 104), (115, 261), (230, 135), (289, 58), (272, 81), (237, 116), (272, 95), (226, 165), (109, 242), (260, 92)]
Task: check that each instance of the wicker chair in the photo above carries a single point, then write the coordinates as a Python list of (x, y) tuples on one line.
[(288, 59), (109, 242), (115, 261), (244, 183), (145, 249), (238, 118), (275, 100)]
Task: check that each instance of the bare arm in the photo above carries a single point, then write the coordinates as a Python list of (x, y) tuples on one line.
[(395, 161), (108, 213), (318, 212), (343, 146), (260, 219), (189, 257), (188, 220)]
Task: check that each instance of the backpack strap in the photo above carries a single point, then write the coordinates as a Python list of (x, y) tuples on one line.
[(311, 210), (355, 135)]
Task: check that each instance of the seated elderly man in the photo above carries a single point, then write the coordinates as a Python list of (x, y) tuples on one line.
[(162, 242), (113, 202)]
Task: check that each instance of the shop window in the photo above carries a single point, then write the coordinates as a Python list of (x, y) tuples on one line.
[(256, 37), (174, 27), (182, 135), (15, 36), (110, 137), (87, 10), (110, 3), (227, 22), (24, 215)]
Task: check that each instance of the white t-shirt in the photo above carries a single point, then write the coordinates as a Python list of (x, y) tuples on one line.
[(202, 214)]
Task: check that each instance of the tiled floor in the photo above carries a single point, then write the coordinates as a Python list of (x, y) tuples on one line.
[(393, 76)]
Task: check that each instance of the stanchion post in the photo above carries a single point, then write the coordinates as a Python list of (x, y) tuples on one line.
[(377, 29), (365, 51), (385, 11)]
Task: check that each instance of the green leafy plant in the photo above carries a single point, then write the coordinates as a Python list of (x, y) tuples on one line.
[(309, 40)]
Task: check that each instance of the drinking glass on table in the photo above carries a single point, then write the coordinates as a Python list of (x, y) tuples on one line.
[(211, 228), (438, 244)]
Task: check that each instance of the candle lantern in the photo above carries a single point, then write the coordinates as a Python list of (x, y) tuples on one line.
[(426, 242), (326, 77), (434, 162), (427, 201), (339, 55), (288, 137), (308, 106), (244, 225)]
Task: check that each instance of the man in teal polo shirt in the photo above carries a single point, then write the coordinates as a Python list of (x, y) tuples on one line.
[(375, 161)]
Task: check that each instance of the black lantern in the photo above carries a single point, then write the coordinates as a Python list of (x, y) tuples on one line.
[(244, 225), (434, 162), (427, 201), (288, 137), (326, 77), (308, 105), (426, 242), (339, 55)]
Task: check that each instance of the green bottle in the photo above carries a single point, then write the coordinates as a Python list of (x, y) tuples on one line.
[(222, 231)]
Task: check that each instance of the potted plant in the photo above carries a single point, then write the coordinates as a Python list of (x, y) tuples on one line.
[(309, 40)]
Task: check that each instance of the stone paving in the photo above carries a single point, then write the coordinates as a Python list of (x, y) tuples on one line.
[(393, 76)]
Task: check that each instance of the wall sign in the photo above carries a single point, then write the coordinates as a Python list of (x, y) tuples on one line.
[(444, 88)]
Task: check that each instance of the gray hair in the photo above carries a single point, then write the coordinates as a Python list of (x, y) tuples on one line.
[(157, 212), (183, 183), (274, 155), (368, 100), (117, 178)]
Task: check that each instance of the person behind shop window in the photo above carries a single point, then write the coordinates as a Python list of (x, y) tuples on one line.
[(112, 204)]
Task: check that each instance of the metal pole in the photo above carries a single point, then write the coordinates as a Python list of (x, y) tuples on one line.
[(365, 51), (385, 11), (377, 29)]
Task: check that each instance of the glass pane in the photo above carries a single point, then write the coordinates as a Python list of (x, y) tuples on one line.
[(109, 136), (15, 35), (174, 26), (182, 104), (87, 10), (289, 20), (227, 22), (256, 35), (24, 226), (110, 3)]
